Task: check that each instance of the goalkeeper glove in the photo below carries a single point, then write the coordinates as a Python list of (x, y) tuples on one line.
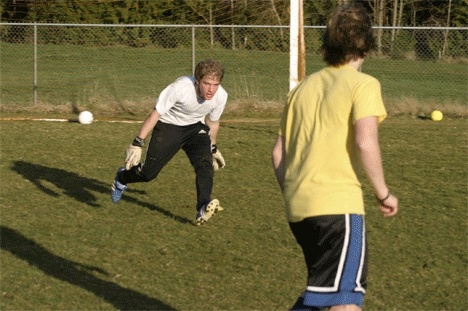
[(133, 153), (218, 159)]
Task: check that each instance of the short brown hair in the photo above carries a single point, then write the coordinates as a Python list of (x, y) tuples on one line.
[(348, 36), (209, 67)]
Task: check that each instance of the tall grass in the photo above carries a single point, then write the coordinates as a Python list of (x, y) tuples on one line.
[(66, 246)]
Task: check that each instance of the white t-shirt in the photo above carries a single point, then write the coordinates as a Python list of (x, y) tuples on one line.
[(179, 104)]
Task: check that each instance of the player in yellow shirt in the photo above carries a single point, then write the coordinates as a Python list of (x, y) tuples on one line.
[(328, 132)]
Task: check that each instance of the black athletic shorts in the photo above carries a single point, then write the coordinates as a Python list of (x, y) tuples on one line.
[(335, 252)]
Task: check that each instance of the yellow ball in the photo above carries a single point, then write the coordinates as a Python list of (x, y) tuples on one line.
[(437, 115)]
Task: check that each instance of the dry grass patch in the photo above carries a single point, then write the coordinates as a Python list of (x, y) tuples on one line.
[(101, 109), (254, 107), (247, 107), (418, 108)]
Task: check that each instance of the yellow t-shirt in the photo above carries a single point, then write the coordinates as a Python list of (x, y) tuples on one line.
[(321, 161)]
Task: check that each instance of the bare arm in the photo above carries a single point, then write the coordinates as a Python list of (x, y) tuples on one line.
[(149, 124), (214, 129), (368, 147), (277, 157)]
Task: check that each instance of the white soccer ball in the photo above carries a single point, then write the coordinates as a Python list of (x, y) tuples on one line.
[(85, 117)]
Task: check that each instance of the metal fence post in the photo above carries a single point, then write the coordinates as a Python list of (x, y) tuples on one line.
[(35, 64), (193, 49)]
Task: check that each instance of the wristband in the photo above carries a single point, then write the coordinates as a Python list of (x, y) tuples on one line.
[(214, 149), (139, 142), (381, 201)]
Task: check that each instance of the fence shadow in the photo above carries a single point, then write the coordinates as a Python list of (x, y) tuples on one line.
[(75, 273)]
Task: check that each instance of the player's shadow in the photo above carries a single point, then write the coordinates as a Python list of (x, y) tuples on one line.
[(78, 187), (76, 273), (73, 185), (152, 207)]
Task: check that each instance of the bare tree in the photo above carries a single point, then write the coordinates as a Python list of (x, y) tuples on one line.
[(397, 16), (400, 16), (199, 11), (211, 24), (275, 12), (380, 7), (394, 21), (233, 33), (446, 31)]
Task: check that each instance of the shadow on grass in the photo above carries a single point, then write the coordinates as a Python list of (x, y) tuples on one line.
[(152, 207), (75, 273), (73, 185), (78, 187)]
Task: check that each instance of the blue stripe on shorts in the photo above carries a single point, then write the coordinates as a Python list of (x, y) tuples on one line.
[(346, 288)]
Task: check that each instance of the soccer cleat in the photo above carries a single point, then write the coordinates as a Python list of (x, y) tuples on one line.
[(206, 212), (117, 187)]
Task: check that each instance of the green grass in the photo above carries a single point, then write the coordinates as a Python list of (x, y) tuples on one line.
[(122, 79), (66, 246)]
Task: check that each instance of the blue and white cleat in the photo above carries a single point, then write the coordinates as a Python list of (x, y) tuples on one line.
[(117, 187), (206, 212)]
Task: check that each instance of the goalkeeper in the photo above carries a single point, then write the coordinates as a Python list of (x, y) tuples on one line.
[(186, 116)]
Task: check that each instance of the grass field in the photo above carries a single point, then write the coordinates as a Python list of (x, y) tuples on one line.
[(66, 246), (122, 79)]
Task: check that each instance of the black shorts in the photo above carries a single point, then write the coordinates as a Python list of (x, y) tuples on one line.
[(335, 252)]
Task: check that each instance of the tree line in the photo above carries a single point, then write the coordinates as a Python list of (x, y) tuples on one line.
[(435, 13), (426, 44)]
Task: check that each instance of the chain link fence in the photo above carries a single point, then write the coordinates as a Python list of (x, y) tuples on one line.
[(122, 68)]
